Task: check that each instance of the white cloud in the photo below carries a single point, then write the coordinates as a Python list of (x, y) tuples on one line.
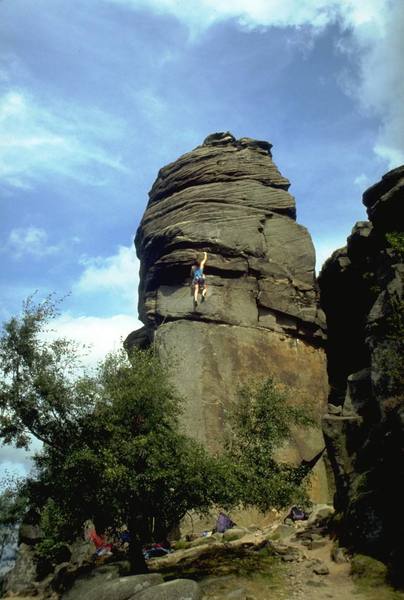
[(151, 105), (100, 334), (362, 181), (10, 454), (30, 240), (392, 154), (380, 88), (16, 462), (118, 274), (16, 467), (115, 280), (200, 14), (62, 140), (375, 45)]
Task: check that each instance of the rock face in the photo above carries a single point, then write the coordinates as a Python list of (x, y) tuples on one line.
[(362, 296), (228, 198)]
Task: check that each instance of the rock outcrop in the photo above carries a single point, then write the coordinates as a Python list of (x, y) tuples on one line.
[(228, 198), (362, 296)]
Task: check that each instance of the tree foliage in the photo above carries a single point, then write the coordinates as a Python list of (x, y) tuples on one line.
[(395, 240), (113, 451), (39, 393), (112, 448), (131, 465), (261, 420)]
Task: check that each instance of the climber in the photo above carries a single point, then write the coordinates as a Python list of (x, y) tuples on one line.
[(198, 279)]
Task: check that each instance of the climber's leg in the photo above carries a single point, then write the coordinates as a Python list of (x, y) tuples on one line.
[(204, 290), (196, 291)]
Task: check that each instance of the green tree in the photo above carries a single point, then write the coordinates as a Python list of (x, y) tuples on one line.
[(112, 448), (40, 393), (131, 464), (113, 451), (261, 420), (395, 240)]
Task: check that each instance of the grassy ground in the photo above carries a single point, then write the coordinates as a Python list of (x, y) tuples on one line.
[(382, 592), (219, 571), (219, 562)]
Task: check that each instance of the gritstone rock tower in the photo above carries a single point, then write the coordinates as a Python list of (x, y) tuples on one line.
[(262, 317)]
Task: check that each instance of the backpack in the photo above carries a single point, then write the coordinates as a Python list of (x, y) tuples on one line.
[(223, 523), (297, 514)]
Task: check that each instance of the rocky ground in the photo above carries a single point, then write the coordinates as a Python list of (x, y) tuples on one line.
[(293, 561), (283, 562), (300, 570)]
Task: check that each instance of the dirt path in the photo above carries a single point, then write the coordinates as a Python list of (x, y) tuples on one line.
[(336, 585), (297, 578), (295, 581), (279, 562)]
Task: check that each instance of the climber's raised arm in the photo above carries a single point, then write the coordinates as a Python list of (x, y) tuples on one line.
[(205, 258)]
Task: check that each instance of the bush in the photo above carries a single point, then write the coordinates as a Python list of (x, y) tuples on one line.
[(369, 570), (260, 421), (395, 240)]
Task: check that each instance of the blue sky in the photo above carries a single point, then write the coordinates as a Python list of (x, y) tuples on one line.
[(96, 96)]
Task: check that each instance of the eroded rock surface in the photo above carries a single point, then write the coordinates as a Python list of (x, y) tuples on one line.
[(228, 198), (362, 296)]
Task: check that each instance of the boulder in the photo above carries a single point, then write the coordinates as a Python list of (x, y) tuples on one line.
[(106, 585), (315, 544), (384, 201), (178, 589), (319, 513), (339, 555), (369, 570), (227, 356), (321, 569), (29, 534), (235, 533), (283, 532), (204, 541), (337, 431), (21, 580)]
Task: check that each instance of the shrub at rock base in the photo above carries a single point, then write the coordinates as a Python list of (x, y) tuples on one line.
[(368, 570)]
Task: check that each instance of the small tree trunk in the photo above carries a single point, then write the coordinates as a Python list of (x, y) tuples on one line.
[(135, 555)]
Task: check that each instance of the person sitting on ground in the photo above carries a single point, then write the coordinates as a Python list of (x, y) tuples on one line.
[(102, 547), (198, 279)]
